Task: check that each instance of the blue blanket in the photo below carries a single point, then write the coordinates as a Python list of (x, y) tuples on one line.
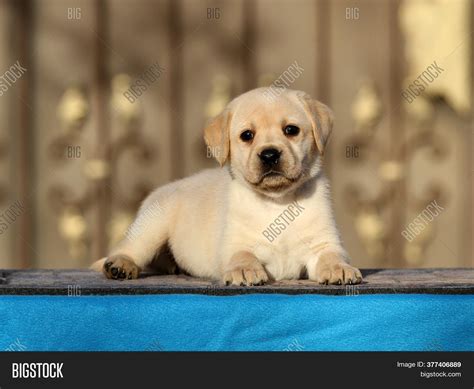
[(245, 322)]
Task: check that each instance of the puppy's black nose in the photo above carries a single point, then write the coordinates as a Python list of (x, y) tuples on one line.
[(270, 156)]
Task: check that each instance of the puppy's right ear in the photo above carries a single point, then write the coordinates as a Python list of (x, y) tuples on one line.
[(216, 135)]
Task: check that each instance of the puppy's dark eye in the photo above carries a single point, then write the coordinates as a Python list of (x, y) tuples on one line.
[(246, 136), (291, 130)]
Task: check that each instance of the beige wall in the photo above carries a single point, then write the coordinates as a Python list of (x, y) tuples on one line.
[(355, 58)]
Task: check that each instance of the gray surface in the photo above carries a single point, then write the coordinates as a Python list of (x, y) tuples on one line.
[(376, 281)]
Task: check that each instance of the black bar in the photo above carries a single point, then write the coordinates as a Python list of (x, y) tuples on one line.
[(205, 370)]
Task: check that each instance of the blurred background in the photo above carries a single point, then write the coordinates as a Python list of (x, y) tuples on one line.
[(101, 101)]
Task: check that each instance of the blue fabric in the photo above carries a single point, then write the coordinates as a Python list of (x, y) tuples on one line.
[(245, 322)]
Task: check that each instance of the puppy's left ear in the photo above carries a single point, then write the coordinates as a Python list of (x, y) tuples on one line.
[(322, 119), (216, 135)]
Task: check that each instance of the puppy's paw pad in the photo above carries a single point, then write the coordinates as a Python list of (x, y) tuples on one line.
[(120, 267), (245, 277)]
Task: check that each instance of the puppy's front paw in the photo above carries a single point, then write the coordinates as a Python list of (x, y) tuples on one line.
[(248, 277), (244, 268), (255, 275), (120, 267), (333, 269)]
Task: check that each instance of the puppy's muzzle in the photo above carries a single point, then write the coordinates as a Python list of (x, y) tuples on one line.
[(270, 157)]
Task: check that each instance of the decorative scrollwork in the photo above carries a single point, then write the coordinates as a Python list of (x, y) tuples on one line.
[(372, 214), (73, 112)]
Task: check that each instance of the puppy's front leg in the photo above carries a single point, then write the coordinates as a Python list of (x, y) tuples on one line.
[(331, 267), (243, 268), (137, 249)]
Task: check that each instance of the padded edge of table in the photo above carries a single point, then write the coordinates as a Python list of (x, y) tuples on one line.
[(376, 281)]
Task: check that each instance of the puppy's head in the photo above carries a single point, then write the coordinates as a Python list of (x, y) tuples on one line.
[(273, 138)]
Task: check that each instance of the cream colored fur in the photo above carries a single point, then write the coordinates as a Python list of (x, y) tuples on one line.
[(214, 221)]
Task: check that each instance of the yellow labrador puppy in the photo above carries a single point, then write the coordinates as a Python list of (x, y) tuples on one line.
[(264, 215)]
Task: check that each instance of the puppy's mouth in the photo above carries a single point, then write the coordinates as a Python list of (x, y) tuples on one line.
[(271, 174), (274, 180)]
